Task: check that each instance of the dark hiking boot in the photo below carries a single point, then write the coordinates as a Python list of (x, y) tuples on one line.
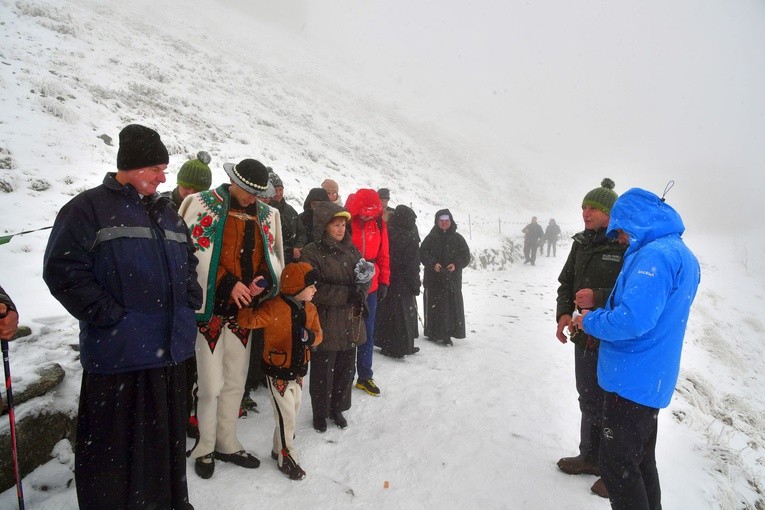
[(578, 466), (240, 458), (320, 424), (599, 488), (274, 455), (290, 468), (340, 420), (204, 466), (448, 342), (415, 350), (369, 386)]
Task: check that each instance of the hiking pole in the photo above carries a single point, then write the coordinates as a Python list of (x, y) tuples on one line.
[(12, 420), (7, 239)]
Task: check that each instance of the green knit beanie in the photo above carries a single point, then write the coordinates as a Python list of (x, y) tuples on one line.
[(602, 198), (195, 173)]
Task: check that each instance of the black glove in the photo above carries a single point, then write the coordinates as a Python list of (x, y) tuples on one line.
[(355, 296), (382, 291)]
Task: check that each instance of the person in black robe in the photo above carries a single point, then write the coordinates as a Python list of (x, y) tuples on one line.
[(396, 322), (444, 253)]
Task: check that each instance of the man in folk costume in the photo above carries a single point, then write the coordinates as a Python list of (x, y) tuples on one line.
[(240, 263)]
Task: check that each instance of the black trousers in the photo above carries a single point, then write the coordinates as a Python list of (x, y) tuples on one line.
[(131, 439), (331, 382), (627, 454), (590, 401), (255, 374)]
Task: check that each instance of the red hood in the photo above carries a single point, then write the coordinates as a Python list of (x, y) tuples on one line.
[(365, 202)]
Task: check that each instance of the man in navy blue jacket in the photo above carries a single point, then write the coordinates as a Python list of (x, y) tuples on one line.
[(120, 260), (641, 330)]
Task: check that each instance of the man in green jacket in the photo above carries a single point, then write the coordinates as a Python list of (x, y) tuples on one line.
[(585, 283)]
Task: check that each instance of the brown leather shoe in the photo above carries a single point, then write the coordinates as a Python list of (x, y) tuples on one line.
[(578, 466), (599, 488)]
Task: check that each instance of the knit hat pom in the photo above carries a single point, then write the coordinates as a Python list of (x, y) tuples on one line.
[(204, 157), (607, 183)]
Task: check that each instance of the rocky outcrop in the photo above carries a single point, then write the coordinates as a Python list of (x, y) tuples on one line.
[(36, 436)]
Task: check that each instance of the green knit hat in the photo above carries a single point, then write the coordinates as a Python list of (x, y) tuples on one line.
[(195, 173), (602, 198)]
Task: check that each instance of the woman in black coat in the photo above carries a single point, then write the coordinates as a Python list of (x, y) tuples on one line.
[(444, 253), (396, 323)]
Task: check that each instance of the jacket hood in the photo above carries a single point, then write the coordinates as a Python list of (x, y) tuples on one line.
[(452, 228), (319, 194), (296, 277), (322, 215), (644, 217), (365, 202), (404, 217)]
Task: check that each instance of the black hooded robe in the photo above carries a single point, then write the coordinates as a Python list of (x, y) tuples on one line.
[(396, 322), (444, 307)]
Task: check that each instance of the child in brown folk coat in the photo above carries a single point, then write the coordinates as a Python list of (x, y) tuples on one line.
[(291, 326)]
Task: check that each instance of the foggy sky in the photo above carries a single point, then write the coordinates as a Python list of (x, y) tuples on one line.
[(642, 92)]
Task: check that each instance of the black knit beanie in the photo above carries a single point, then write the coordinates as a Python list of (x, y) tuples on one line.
[(602, 198), (140, 147)]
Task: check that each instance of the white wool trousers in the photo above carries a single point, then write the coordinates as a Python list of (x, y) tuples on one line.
[(286, 397), (220, 380)]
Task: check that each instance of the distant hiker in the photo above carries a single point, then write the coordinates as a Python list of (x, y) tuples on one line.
[(396, 322), (120, 260), (533, 234), (333, 191), (315, 196), (444, 254), (240, 261), (641, 328), (586, 281), (384, 194), (193, 177), (370, 235), (290, 325), (552, 233), (341, 301)]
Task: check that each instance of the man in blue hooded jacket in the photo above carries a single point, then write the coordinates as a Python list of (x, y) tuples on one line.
[(641, 329)]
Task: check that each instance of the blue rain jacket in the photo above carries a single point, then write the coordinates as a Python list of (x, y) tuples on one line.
[(643, 322)]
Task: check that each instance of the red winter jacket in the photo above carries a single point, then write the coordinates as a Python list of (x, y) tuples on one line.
[(370, 236)]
